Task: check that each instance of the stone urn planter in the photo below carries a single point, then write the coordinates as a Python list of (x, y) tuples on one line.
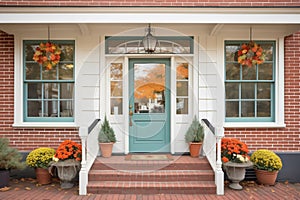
[(236, 173), (66, 171)]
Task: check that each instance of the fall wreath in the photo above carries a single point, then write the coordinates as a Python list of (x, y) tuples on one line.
[(47, 54), (251, 54)]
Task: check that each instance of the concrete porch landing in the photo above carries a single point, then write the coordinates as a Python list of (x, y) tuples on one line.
[(182, 175)]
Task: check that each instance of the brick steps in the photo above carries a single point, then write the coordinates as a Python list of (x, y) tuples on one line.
[(161, 175), (182, 175), (145, 187)]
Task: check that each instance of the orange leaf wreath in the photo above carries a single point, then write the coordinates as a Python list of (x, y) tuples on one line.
[(47, 54)]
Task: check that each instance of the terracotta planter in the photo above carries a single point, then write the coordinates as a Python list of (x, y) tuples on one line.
[(42, 176), (266, 177), (106, 149), (4, 178), (195, 148)]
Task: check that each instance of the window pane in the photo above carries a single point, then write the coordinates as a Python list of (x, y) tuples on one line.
[(248, 109), (232, 90), (263, 108), (66, 108), (50, 108), (33, 71), (182, 72), (182, 88), (34, 109), (231, 52), (116, 89), (67, 52), (249, 73), (232, 109), (149, 88), (49, 74), (264, 91), (66, 71), (66, 90), (116, 106), (34, 90), (268, 50), (29, 51), (182, 106), (116, 72), (248, 90), (50, 91), (265, 71), (232, 71)]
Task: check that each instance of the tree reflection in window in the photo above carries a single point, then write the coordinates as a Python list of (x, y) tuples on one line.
[(149, 88)]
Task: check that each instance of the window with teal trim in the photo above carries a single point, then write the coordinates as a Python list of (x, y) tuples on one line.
[(250, 91), (49, 94)]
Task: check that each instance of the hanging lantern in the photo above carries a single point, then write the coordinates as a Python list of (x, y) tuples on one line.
[(149, 41)]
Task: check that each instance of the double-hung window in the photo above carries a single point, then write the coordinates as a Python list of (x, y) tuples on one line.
[(250, 91), (49, 94)]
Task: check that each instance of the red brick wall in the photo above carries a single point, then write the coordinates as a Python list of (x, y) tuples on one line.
[(173, 3), (24, 139), (280, 139)]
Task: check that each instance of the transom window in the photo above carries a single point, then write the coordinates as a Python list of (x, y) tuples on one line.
[(249, 90), (134, 45), (49, 94)]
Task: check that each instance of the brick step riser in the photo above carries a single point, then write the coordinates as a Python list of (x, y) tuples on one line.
[(130, 167), (158, 178), (177, 190)]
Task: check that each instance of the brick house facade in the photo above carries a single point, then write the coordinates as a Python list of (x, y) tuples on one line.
[(284, 140)]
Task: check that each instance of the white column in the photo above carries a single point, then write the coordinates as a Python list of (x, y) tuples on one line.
[(83, 174), (219, 174)]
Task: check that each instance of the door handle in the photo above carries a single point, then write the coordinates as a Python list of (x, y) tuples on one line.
[(130, 115)]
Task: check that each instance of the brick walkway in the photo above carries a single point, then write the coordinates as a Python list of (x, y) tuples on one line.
[(28, 189)]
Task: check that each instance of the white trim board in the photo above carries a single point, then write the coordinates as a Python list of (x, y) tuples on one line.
[(27, 15)]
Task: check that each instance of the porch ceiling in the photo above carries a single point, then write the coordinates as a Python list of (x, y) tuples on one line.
[(37, 15)]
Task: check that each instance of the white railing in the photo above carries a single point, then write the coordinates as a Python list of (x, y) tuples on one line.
[(212, 150), (90, 149)]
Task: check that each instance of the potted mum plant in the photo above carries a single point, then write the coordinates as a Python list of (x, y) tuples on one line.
[(266, 166), (39, 159), (10, 158), (194, 137), (67, 162), (235, 160), (106, 139)]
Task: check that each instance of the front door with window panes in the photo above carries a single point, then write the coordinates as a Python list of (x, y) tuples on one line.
[(49, 94), (149, 105)]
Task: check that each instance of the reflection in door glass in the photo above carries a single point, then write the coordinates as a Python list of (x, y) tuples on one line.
[(149, 88)]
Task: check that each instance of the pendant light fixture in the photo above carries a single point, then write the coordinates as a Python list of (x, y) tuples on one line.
[(149, 41)]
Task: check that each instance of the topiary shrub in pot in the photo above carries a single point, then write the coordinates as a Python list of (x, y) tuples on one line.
[(10, 158), (266, 165), (194, 137), (106, 139)]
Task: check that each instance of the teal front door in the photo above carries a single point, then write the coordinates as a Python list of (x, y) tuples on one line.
[(149, 105)]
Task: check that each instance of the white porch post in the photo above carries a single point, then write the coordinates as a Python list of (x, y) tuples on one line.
[(219, 174), (83, 174)]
